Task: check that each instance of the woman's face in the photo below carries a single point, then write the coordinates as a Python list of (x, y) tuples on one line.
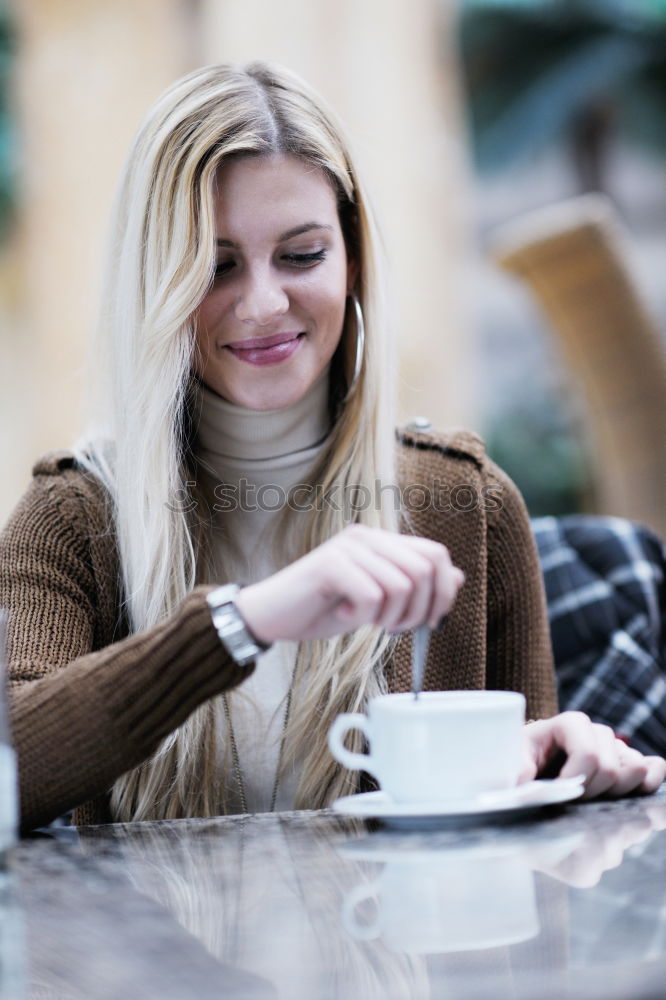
[(272, 319)]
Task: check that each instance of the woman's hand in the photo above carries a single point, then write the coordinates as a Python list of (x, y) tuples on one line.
[(609, 765), (361, 576)]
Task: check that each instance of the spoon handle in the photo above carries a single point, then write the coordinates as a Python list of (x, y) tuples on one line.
[(420, 642)]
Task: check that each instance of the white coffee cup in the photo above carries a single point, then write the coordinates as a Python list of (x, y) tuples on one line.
[(445, 745)]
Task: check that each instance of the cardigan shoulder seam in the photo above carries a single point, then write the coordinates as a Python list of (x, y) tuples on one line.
[(54, 463), (61, 471), (463, 445)]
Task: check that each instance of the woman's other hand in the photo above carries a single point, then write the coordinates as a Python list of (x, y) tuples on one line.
[(585, 747), (361, 576)]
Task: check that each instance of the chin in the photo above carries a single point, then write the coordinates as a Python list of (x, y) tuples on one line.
[(276, 394), (273, 400), (266, 405)]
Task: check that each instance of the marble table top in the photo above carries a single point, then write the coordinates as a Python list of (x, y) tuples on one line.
[(568, 903)]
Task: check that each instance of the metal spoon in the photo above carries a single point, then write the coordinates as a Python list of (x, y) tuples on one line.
[(420, 642)]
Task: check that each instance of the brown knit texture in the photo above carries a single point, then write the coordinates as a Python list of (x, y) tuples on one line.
[(89, 702), (86, 708), (497, 634)]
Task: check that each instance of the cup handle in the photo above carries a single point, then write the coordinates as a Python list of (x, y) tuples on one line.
[(359, 894), (338, 731)]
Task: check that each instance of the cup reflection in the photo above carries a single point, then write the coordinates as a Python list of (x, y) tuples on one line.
[(439, 901)]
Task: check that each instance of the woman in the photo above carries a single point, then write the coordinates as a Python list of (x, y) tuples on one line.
[(244, 432)]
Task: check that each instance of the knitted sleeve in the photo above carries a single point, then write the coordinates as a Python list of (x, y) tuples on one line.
[(82, 715), (519, 652)]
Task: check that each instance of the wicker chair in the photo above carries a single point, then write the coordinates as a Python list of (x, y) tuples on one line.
[(574, 257)]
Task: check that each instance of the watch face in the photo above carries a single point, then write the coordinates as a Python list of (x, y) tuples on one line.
[(231, 628)]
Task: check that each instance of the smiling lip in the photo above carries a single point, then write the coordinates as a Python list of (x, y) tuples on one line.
[(265, 350)]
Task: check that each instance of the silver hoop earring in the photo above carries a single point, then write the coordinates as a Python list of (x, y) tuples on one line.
[(360, 345)]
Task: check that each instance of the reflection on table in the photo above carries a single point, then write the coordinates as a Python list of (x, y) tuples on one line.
[(570, 903)]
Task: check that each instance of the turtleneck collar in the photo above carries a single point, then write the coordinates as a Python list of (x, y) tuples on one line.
[(228, 431)]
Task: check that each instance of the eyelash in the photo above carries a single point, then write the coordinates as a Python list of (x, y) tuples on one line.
[(300, 260), (305, 259)]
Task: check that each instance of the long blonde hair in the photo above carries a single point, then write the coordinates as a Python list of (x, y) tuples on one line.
[(162, 260)]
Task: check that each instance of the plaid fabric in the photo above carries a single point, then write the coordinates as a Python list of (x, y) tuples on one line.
[(606, 588)]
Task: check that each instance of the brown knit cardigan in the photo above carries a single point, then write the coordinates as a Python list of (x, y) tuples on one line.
[(88, 702)]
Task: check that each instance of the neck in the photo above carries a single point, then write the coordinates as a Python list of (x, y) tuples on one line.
[(235, 432)]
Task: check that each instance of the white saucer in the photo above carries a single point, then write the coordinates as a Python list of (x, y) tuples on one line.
[(417, 815)]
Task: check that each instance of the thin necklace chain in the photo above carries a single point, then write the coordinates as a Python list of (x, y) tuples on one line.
[(235, 759)]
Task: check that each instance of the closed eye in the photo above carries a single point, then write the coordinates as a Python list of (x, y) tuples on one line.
[(305, 259), (299, 260), (223, 268)]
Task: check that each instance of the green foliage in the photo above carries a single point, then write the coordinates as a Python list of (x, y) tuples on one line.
[(531, 70), (541, 453)]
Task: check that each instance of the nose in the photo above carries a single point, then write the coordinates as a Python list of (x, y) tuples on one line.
[(261, 298)]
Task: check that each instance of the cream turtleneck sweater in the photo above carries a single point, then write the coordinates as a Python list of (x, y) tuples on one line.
[(249, 460)]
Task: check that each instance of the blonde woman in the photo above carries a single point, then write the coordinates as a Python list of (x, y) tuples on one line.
[(242, 432)]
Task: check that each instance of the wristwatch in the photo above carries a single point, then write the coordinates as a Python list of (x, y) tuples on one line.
[(234, 634)]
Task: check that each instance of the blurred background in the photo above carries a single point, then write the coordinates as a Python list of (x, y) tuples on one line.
[(515, 150)]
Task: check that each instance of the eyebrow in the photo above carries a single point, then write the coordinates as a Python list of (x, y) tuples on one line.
[(296, 231)]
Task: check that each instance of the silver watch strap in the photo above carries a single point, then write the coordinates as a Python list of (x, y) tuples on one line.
[(230, 626)]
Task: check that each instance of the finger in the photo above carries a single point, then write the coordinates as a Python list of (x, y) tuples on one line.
[(397, 587), (633, 770), (354, 593), (621, 768), (448, 579), (408, 576), (608, 765), (656, 774), (590, 750), (609, 774), (571, 732), (530, 766), (429, 564)]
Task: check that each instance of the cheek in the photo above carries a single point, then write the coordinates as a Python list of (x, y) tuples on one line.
[(332, 303), (204, 315), (205, 321)]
